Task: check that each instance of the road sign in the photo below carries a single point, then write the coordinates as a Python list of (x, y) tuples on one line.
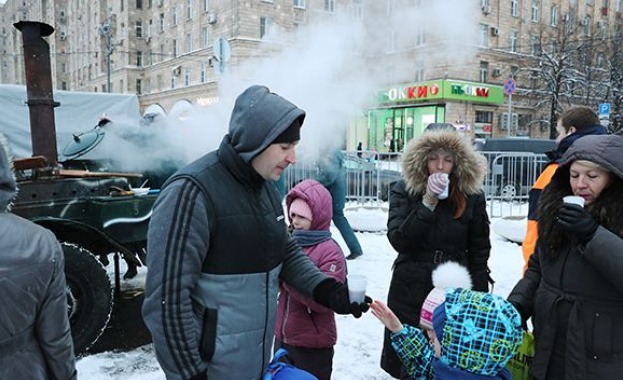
[(509, 86), (222, 53), (604, 110)]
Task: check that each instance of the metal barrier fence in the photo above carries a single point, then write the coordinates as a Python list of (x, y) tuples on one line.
[(509, 178), (370, 175)]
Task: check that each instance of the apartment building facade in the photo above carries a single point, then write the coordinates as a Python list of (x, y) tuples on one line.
[(172, 54)]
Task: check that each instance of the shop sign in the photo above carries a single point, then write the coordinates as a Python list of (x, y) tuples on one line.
[(473, 92), (442, 89), (409, 93)]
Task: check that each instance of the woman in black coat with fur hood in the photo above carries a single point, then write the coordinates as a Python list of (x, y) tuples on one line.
[(426, 228), (573, 287)]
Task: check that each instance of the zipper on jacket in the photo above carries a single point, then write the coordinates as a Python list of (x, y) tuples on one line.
[(267, 308), (286, 311)]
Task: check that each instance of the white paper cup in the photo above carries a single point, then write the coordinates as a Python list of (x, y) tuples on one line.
[(356, 287), (574, 199), (444, 193)]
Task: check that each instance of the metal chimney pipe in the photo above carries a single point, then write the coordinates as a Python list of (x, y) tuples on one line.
[(39, 88)]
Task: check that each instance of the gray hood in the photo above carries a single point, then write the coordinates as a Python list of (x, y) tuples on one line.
[(258, 117), (8, 189), (605, 150)]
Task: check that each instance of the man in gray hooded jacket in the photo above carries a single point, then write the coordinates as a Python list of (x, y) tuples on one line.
[(218, 247), (35, 339)]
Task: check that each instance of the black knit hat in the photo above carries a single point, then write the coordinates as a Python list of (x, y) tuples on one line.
[(291, 134)]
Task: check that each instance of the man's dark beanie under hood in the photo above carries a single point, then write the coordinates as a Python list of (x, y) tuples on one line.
[(259, 119), (290, 135)]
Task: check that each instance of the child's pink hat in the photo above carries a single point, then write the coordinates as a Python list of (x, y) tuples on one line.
[(301, 208)]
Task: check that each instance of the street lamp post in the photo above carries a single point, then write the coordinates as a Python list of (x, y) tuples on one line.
[(105, 30)]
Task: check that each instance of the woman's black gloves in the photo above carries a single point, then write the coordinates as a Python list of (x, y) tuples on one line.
[(334, 295), (575, 219)]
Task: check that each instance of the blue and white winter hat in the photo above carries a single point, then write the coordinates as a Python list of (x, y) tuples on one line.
[(479, 332)]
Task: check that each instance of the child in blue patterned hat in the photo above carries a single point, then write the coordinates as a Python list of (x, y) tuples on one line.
[(473, 336)]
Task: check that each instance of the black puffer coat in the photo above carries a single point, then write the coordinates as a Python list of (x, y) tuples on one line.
[(574, 292), (424, 238)]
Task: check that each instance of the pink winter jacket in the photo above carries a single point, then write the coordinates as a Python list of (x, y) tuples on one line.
[(300, 321)]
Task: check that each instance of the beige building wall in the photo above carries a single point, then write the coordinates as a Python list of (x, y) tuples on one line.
[(163, 50)]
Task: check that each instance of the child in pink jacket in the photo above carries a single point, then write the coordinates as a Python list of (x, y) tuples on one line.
[(304, 328)]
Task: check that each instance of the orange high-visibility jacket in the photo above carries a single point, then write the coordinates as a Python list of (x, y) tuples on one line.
[(529, 242)]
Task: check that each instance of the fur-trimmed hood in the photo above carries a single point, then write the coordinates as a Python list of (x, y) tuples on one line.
[(468, 172), (8, 188), (607, 209)]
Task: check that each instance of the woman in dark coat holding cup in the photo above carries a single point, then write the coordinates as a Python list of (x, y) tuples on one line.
[(426, 226), (573, 287)]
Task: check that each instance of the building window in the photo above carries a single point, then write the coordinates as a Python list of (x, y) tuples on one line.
[(419, 71), (64, 86), (139, 4), (484, 71), (329, 6), (159, 82), (357, 9), (392, 41), (139, 29), (513, 41), (390, 7), (174, 12), (189, 9), (298, 3), (484, 35), (139, 58), (174, 42), (534, 14), (161, 23), (514, 8), (266, 24), (420, 35), (535, 46), (204, 5), (64, 68), (187, 76), (139, 85), (204, 72), (205, 37), (189, 43), (586, 26), (173, 81), (553, 16), (484, 117)]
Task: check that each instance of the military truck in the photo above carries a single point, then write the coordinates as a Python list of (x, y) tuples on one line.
[(94, 214)]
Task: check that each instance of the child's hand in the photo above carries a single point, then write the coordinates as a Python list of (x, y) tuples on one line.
[(386, 316)]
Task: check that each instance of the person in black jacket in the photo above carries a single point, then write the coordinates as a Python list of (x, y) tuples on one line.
[(573, 287), (427, 230)]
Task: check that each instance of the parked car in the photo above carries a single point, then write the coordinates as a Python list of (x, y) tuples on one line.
[(513, 164)]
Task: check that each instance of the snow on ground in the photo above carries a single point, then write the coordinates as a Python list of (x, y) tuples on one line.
[(358, 351)]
